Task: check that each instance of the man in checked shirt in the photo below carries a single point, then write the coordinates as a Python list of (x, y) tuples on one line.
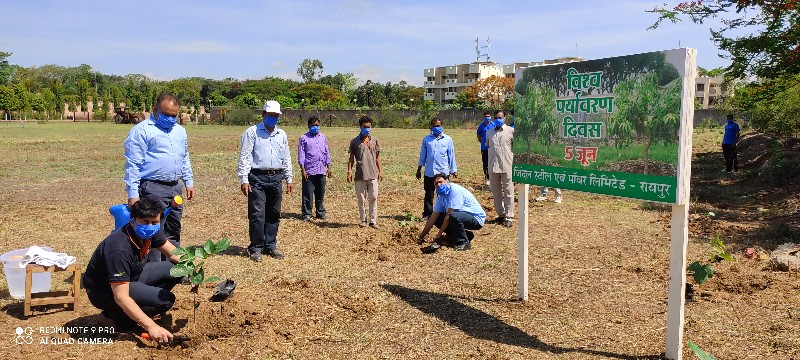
[(264, 162)]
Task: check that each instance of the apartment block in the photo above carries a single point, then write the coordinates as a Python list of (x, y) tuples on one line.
[(443, 83), (709, 91)]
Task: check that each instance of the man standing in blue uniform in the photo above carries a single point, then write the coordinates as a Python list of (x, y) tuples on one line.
[(157, 158), (264, 162), (729, 145), (456, 214), (482, 128), (437, 156)]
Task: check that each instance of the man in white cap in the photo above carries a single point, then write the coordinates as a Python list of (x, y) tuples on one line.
[(264, 162)]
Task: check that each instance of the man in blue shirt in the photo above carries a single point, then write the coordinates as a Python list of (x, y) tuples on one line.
[(157, 158), (729, 145), (438, 156), (456, 213), (482, 128), (264, 162)]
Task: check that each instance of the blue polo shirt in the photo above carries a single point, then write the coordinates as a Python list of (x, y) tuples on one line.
[(482, 128), (460, 199), (731, 132)]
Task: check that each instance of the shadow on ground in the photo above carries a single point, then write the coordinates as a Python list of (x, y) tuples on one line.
[(481, 325)]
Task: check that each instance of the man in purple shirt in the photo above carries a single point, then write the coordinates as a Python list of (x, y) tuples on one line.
[(314, 159)]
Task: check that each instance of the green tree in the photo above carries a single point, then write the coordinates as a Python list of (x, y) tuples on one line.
[(84, 94), (217, 99), (8, 99), (760, 37), (248, 101), (645, 112), (49, 104), (6, 70), (311, 94), (309, 70), (535, 119)]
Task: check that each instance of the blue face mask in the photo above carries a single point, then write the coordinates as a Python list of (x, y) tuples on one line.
[(365, 131), (270, 121), (443, 189), (145, 231), (487, 119), (314, 130), (437, 130), (499, 122), (165, 122)]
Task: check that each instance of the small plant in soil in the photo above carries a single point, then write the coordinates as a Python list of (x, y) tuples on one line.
[(192, 264), (704, 271), (408, 218), (702, 355)]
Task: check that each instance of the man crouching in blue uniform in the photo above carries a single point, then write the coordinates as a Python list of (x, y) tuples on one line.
[(119, 280)]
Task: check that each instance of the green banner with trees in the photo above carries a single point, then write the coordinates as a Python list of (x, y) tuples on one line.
[(607, 126)]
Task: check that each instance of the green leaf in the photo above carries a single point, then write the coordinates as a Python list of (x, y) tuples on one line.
[(701, 272), (199, 252), (212, 279), (179, 251), (196, 305), (222, 245), (699, 352), (208, 247), (197, 278), (726, 257), (180, 270)]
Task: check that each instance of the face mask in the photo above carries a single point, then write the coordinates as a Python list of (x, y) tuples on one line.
[(270, 121), (365, 131), (165, 122), (499, 122), (437, 130), (145, 231), (314, 130), (487, 119), (443, 189)]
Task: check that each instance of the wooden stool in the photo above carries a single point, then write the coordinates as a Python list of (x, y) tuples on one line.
[(51, 297)]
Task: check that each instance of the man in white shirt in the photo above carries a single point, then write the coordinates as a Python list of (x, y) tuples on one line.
[(264, 162)]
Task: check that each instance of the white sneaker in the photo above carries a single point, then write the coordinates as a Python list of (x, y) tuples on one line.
[(541, 198), (558, 199), (487, 182)]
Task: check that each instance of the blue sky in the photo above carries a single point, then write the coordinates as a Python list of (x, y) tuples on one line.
[(375, 40)]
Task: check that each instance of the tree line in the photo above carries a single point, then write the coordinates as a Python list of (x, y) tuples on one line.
[(44, 90)]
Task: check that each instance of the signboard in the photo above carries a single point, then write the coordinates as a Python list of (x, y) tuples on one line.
[(609, 126)]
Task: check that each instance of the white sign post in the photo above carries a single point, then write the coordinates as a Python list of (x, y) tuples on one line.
[(680, 217)]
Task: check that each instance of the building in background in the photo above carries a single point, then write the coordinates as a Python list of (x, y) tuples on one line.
[(443, 83), (709, 92)]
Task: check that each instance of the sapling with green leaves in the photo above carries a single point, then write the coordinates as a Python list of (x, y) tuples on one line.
[(192, 264), (703, 271)]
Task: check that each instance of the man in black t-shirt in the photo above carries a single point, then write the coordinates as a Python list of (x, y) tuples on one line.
[(120, 281)]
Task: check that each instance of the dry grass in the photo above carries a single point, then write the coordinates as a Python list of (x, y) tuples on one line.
[(599, 266)]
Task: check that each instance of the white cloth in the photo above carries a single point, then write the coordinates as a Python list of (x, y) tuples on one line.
[(37, 255)]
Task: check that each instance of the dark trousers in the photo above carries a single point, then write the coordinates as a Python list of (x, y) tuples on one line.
[(163, 193), (314, 191), (731, 157), (151, 292), (430, 189), (457, 228), (264, 210), (485, 160)]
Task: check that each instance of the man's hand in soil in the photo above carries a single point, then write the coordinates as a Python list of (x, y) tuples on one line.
[(159, 334)]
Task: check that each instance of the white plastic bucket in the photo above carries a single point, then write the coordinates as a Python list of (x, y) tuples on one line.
[(15, 275)]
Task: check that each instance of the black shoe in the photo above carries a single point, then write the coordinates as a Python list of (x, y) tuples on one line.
[(470, 235), (321, 217), (274, 253), (499, 220), (463, 246), (430, 249), (306, 218), (256, 256)]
